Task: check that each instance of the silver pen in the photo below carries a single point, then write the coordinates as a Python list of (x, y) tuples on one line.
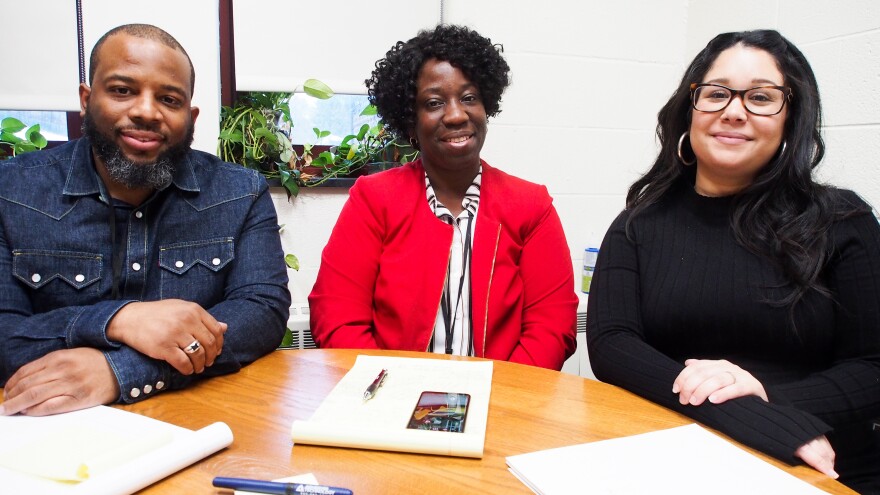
[(374, 387)]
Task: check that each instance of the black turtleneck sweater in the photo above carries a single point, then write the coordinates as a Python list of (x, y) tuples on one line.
[(683, 288)]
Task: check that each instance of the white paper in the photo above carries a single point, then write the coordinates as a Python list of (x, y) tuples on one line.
[(344, 419), (74, 451), (186, 446), (683, 460)]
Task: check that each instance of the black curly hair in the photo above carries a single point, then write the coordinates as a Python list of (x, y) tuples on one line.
[(392, 86)]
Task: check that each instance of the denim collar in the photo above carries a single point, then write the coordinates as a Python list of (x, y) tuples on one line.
[(83, 178)]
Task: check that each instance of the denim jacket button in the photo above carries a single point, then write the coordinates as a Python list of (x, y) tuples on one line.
[(160, 385), (139, 214), (135, 392), (178, 264), (148, 389), (136, 267), (35, 278), (80, 277), (215, 261)]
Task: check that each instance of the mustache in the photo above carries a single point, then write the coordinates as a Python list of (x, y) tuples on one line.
[(118, 129)]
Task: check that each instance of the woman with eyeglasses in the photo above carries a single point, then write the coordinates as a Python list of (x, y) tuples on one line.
[(736, 289)]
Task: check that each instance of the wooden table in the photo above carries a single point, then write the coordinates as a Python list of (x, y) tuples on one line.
[(261, 401)]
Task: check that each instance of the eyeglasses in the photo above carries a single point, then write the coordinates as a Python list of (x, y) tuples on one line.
[(761, 100)]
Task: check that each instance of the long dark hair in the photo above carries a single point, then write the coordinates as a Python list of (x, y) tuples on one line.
[(783, 215)]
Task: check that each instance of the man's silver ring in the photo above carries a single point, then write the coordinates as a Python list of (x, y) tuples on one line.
[(192, 348)]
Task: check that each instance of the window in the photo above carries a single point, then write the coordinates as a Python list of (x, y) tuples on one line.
[(53, 125), (341, 115)]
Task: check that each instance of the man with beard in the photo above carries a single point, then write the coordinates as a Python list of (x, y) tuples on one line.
[(131, 264)]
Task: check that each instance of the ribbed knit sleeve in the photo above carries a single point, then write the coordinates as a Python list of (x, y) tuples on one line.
[(849, 388), (680, 287)]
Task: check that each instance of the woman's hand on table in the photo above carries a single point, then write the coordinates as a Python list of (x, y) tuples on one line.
[(818, 454), (717, 380)]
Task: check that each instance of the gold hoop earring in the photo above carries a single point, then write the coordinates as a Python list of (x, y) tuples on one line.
[(680, 156)]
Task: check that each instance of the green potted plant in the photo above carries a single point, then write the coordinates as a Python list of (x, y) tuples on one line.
[(11, 144), (255, 132), (372, 148)]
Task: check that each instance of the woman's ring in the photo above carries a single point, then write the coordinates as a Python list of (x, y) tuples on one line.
[(192, 348)]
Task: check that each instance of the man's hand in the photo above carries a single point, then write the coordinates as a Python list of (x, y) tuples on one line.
[(60, 381), (716, 380), (163, 329)]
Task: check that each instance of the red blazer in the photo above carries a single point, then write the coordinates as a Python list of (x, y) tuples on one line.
[(383, 270)]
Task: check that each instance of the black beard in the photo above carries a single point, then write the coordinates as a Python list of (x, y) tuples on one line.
[(133, 175)]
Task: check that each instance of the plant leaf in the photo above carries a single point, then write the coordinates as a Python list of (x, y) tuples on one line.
[(8, 137), (263, 132), (370, 110), (231, 136), (285, 110), (287, 340), (259, 118), (286, 178), (286, 148), (327, 156), (363, 132), (35, 137), (11, 124), (317, 89), (292, 187), (291, 261), (23, 147)]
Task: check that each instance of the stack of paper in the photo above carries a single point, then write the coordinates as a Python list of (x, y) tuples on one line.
[(683, 460), (345, 419), (100, 450)]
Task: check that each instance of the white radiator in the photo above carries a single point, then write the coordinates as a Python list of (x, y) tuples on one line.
[(299, 327)]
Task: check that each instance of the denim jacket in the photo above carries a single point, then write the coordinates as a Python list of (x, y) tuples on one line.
[(211, 237)]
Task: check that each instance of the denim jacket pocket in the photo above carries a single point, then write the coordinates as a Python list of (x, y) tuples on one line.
[(189, 269), (57, 272)]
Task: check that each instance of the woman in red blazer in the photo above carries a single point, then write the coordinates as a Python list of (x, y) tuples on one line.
[(446, 254)]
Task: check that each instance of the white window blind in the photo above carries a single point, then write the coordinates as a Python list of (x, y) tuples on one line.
[(281, 43), (40, 64)]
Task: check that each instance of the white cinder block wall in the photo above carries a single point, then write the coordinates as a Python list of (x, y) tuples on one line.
[(589, 78), (842, 42)]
